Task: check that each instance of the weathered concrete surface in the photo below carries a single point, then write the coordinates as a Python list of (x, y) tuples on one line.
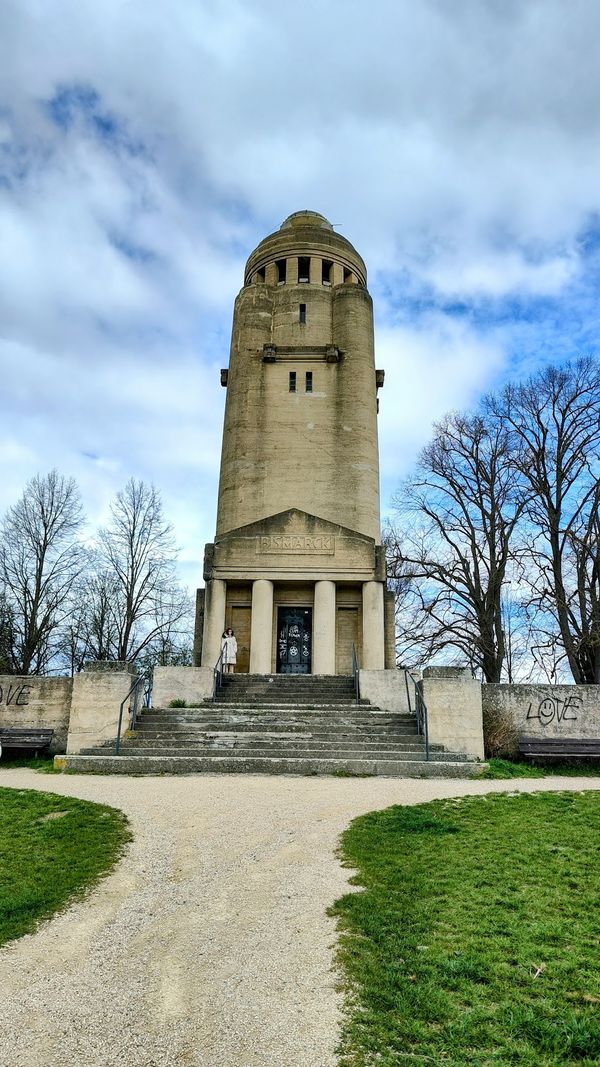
[(95, 706), (386, 690), (439, 766), (30, 700), (192, 684), (209, 946), (514, 711), (453, 699)]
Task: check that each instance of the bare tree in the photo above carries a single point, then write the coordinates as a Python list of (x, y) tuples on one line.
[(137, 596), (456, 520), (554, 422), (90, 633), (7, 636), (40, 560)]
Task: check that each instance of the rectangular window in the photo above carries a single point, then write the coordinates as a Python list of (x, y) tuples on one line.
[(303, 268), (309, 375), (326, 268), (347, 275), (292, 381), (260, 275), (281, 271), (302, 315)]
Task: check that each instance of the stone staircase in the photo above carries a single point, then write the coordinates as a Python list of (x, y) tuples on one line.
[(275, 724)]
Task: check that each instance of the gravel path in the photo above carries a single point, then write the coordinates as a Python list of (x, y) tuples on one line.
[(209, 945)]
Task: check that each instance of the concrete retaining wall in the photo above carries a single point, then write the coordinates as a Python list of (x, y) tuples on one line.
[(192, 684), (514, 711), (386, 690), (33, 701), (453, 699), (95, 704)]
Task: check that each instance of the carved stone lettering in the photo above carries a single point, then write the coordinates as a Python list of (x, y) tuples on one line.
[(297, 544)]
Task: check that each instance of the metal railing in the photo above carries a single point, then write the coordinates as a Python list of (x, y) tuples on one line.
[(217, 674), (355, 674), (420, 708), (137, 687)]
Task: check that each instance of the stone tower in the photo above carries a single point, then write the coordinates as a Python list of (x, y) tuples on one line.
[(297, 567)]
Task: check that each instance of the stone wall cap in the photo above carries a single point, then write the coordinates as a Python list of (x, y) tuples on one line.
[(447, 672)]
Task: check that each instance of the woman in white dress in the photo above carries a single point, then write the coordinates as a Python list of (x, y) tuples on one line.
[(229, 650)]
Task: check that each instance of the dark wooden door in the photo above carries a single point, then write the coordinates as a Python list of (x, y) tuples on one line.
[(240, 624), (294, 640)]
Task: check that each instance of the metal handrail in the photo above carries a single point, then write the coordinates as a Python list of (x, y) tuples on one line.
[(135, 689), (420, 708), (217, 674), (355, 674)]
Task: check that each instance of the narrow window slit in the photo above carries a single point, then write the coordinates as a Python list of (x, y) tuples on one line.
[(326, 268), (309, 381), (281, 271), (302, 314), (292, 381)]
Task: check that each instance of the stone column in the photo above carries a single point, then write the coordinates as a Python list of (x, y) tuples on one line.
[(323, 657), (214, 621), (261, 627), (373, 646)]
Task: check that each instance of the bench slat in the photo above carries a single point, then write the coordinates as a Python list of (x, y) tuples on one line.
[(560, 746), (21, 737)]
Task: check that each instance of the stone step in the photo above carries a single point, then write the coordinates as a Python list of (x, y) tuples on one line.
[(394, 768), (287, 679), (355, 737), (281, 741), (289, 698), (277, 752), (277, 726), (311, 714)]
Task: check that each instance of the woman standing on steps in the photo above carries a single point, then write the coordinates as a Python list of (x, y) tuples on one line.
[(229, 650)]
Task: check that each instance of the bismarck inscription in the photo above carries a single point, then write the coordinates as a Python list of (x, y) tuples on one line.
[(297, 544)]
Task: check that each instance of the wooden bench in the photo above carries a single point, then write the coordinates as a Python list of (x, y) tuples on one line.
[(29, 739), (560, 748)]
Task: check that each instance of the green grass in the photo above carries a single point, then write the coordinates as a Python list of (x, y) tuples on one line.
[(504, 768), (474, 939), (43, 764), (52, 848)]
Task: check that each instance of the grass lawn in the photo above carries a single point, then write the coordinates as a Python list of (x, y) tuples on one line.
[(475, 937), (504, 768), (51, 849), (43, 764)]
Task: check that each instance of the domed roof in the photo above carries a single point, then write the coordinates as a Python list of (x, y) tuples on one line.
[(306, 218), (306, 233)]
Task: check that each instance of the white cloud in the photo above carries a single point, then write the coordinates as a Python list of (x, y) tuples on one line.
[(457, 145), (439, 366)]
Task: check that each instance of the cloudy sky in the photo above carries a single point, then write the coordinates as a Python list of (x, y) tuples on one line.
[(146, 146)]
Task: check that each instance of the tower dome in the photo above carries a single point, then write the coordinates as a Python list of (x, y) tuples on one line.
[(306, 218)]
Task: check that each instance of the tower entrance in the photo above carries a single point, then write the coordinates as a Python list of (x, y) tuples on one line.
[(294, 640)]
